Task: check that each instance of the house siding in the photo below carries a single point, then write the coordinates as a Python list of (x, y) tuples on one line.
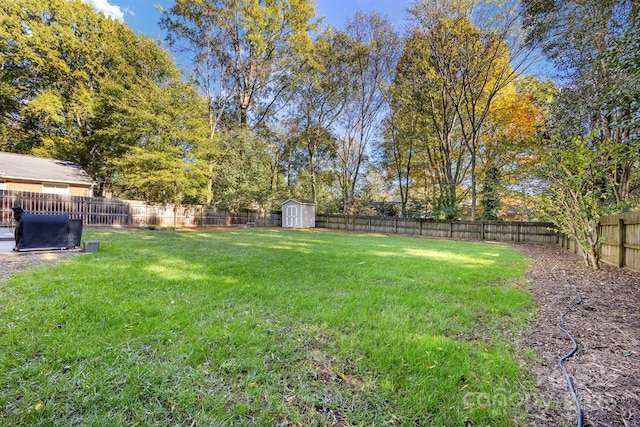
[(80, 191), (36, 187), (24, 186)]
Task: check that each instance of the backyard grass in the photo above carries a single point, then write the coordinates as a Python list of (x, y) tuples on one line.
[(265, 327)]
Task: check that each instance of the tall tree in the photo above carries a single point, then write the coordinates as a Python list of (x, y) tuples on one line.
[(421, 131), (242, 171), (320, 92), (374, 49), (623, 59), (476, 50), (398, 152), (242, 52), (508, 141), (595, 144), (86, 88), (157, 131), (244, 47), (577, 36), (53, 58)]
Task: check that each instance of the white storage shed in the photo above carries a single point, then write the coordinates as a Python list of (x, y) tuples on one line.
[(298, 214)]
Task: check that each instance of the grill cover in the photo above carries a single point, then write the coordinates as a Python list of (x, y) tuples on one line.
[(75, 232), (43, 232)]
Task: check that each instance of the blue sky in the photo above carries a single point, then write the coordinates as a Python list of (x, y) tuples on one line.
[(142, 15)]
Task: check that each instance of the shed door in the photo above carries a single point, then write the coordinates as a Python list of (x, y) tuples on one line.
[(291, 216)]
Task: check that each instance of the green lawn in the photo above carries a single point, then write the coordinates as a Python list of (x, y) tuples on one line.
[(265, 327)]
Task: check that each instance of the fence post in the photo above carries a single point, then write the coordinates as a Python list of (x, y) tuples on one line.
[(451, 229), (621, 252)]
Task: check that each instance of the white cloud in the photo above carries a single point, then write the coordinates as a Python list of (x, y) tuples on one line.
[(107, 8)]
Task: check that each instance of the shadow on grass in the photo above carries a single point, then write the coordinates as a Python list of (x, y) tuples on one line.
[(264, 327)]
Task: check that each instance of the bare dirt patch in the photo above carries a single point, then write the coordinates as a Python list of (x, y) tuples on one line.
[(606, 325), (21, 261)]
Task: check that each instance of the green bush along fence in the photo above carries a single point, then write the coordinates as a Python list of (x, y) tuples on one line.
[(96, 212), (620, 236)]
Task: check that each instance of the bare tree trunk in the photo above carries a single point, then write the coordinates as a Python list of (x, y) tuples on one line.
[(312, 166)]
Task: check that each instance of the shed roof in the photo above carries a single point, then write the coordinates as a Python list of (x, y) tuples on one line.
[(299, 201), (18, 166)]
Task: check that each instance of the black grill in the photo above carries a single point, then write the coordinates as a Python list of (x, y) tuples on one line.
[(53, 231)]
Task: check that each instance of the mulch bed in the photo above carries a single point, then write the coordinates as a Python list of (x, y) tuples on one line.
[(605, 370), (606, 325)]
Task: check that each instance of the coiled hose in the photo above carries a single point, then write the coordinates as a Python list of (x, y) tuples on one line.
[(572, 352)]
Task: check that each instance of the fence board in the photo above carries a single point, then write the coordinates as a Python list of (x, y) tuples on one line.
[(532, 232), (621, 233), (621, 239), (99, 212)]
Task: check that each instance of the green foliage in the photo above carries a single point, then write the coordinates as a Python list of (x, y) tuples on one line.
[(85, 88), (266, 328), (242, 172), (490, 194), (576, 196), (406, 127), (48, 52), (474, 56), (388, 209), (242, 50), (166, 127), (543, 92), (594, 46), (422, 149), (450, 114), (319, 92), (623, 95), (244, 54)]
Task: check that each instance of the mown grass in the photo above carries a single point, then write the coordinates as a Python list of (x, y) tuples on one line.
[(265, 327)]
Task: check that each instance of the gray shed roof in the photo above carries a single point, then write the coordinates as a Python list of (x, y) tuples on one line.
[(18, 166), (298, 201)]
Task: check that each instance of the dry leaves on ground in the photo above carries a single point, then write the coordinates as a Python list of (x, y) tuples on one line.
[(606, 325)]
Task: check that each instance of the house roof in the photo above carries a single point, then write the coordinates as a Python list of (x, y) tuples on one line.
[(18, 166)]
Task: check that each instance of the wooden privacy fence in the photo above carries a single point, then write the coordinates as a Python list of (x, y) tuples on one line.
[(621, 239), (95, 211), (620, 233), (526, 232)]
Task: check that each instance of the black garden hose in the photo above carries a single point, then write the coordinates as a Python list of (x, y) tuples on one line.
[(572, 352)]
